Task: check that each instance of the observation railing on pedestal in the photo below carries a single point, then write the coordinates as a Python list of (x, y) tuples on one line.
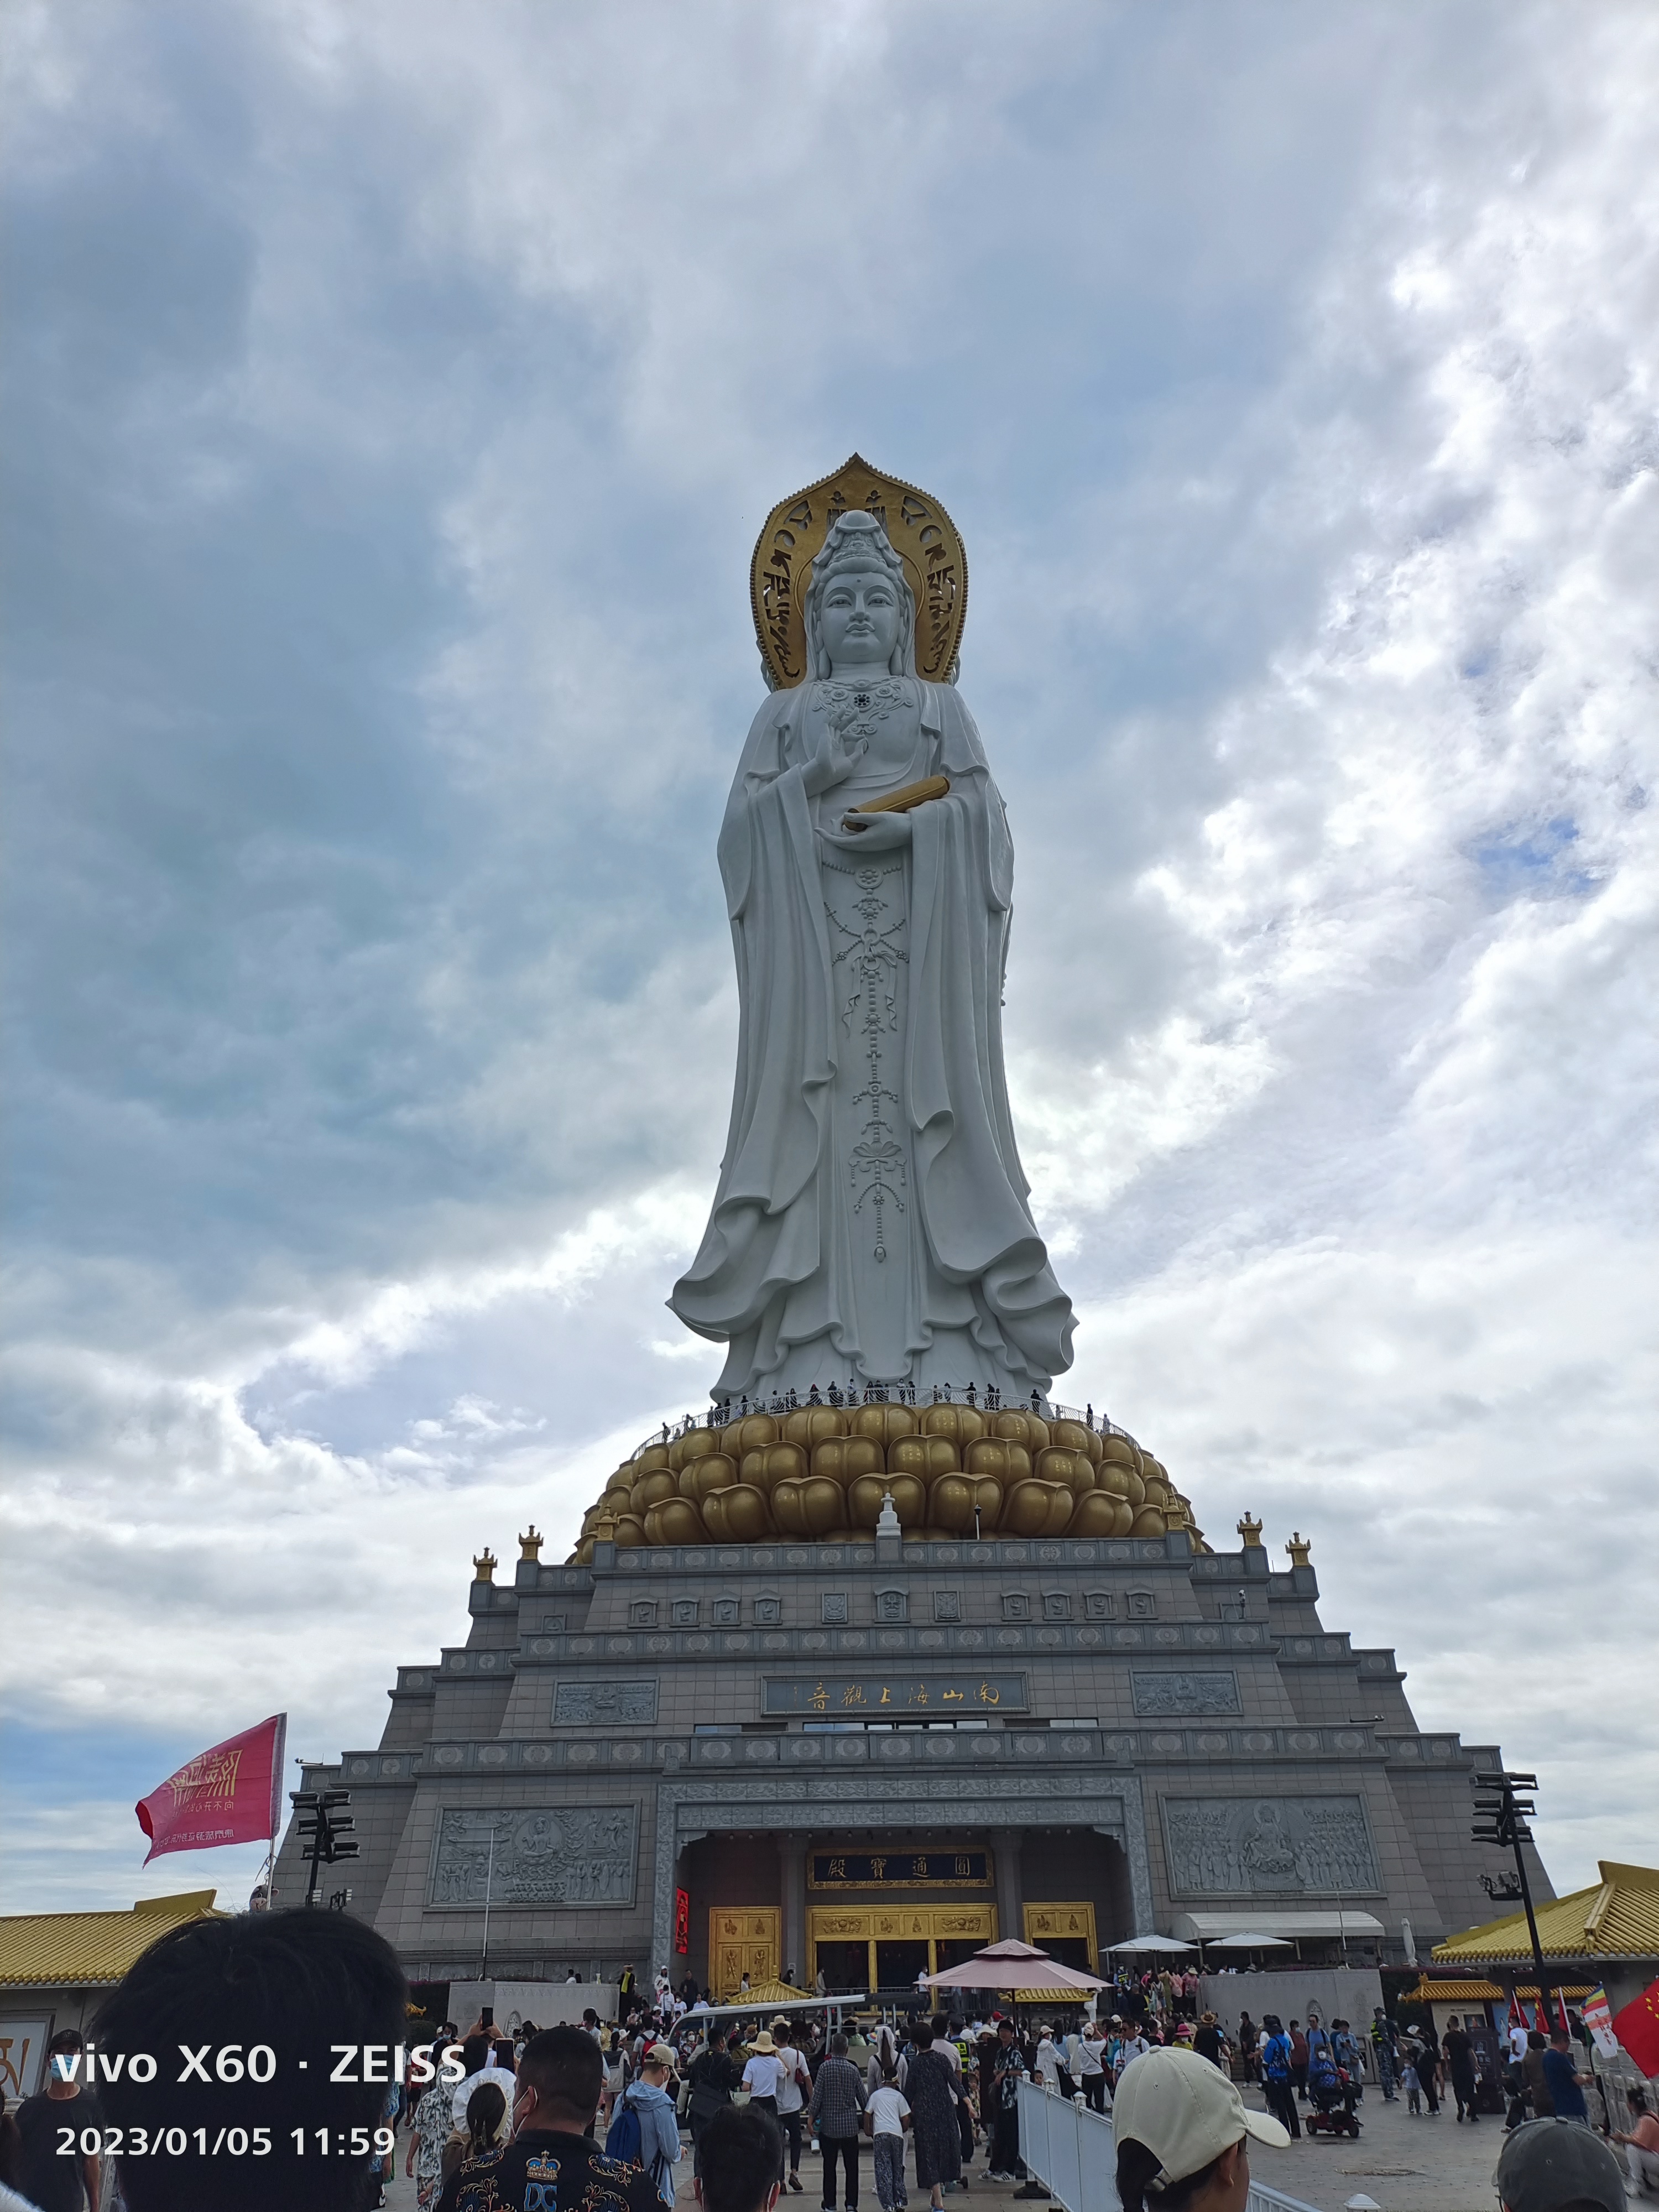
[(1070, 2150), (880, 1394)]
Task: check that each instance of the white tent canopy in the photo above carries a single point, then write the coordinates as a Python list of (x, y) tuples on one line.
[(1247, 1942), (1151, 1943), (1289, 1927)]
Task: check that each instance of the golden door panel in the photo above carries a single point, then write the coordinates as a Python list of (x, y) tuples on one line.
[(1060, 1922), (742, 1940)]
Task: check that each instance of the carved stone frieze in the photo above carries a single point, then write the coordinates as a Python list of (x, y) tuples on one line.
[(581, 1704), (1155, 1695), (1268, 1847), (541, 1855)]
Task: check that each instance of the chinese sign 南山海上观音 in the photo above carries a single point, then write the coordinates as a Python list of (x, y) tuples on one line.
[(874, 1697), (899, 1870)]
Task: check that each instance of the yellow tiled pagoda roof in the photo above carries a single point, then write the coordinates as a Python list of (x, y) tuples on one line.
[(1430, 1991), (1619, 1918), (81, 1950)]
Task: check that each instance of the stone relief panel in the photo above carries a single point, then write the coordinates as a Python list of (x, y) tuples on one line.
[(1268, 1846), (1056, 1606), (892, 1605), (642, 1612), (1015, 1605), (581, 1704), (834, 1608), (947, 1605), (768, 1611), (725, 1612), (534, 1854), (1142, 1606), (686, 1611), (1099, 1605), (1157, 1694)]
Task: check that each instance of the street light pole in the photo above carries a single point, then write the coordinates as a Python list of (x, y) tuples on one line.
[(1501, 1811), (490, 1878)]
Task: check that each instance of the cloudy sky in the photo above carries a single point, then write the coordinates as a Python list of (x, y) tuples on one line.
[(393, 393)]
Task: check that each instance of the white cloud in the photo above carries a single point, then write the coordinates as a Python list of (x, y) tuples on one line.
[(396, 393)]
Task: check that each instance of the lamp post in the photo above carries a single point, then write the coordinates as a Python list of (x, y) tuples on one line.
[(489, 1879), (325, 1822), (1501, 1810)]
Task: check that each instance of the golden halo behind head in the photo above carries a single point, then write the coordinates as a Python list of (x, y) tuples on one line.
[(920, 531)]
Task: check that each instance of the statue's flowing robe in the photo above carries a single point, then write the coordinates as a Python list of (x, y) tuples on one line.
[(774, 1276)]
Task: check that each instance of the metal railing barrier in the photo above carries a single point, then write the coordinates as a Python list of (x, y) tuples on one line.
[(1070, 2150)]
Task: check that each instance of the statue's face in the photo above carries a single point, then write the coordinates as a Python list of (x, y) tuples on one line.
[(858, 616)]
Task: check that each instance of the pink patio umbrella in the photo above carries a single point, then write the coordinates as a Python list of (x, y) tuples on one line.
[(1013, 1968)]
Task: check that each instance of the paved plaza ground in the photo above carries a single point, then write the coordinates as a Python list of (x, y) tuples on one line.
[(1406, 2164)]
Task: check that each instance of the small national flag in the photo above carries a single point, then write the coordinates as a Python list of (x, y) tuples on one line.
[(230, 1794), (1598, 2018), (1637, 2026)]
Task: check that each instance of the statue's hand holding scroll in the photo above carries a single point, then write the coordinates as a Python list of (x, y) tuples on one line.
[(869, 833)]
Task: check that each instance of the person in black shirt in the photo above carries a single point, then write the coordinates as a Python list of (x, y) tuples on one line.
[(1459, 2047), (712, 2077), (56, 2182), (552, 2164), (1209, 2042)]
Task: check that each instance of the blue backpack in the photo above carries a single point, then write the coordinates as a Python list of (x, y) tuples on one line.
[(624, 2139), (1276, 2058)]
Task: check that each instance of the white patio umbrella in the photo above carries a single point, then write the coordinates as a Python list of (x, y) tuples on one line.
[(1247, 1943), (1151, 1943)]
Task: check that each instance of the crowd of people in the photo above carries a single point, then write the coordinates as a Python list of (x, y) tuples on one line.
[(602, 2116)]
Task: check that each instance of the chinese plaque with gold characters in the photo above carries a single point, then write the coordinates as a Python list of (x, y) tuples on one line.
[(942, 1697), (899, 1870), (920, 531)]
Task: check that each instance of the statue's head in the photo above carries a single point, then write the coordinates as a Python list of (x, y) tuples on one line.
[(857, 545)]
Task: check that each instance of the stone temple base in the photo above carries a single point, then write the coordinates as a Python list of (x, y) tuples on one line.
[(867, 1756)]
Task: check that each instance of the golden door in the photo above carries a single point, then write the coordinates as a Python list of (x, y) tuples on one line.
[(742, 1939)]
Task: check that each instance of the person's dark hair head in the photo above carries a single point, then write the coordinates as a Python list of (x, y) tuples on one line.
[(741, 2153), (1535, 2039), (1005, 2027), (590, 2018), (485, 2109), (838, 2045), (566, 2068), (277, 1988), (924, 2035), (941, 2022), (1138, 2167), (475, 2052), (1638, 2099), (717, 2038)]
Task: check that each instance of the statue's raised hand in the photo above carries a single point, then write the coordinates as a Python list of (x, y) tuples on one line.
[(832, 763), (870, 833)]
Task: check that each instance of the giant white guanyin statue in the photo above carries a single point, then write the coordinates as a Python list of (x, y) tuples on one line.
[(872, 1223)]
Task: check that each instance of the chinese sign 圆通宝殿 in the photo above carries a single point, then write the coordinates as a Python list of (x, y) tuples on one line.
[(899, 1870)]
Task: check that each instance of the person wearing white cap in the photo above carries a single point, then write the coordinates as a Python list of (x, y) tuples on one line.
[(1180, 2125)]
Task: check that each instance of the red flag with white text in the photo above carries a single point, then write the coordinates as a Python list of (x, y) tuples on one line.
[(230, 1794)]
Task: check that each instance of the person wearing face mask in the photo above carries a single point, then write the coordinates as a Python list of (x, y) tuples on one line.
[(1181, 2129)]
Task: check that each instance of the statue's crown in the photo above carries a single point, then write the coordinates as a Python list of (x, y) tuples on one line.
[(854, 537)]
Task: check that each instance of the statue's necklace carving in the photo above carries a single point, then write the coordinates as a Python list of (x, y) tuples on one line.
[(853, 710)]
